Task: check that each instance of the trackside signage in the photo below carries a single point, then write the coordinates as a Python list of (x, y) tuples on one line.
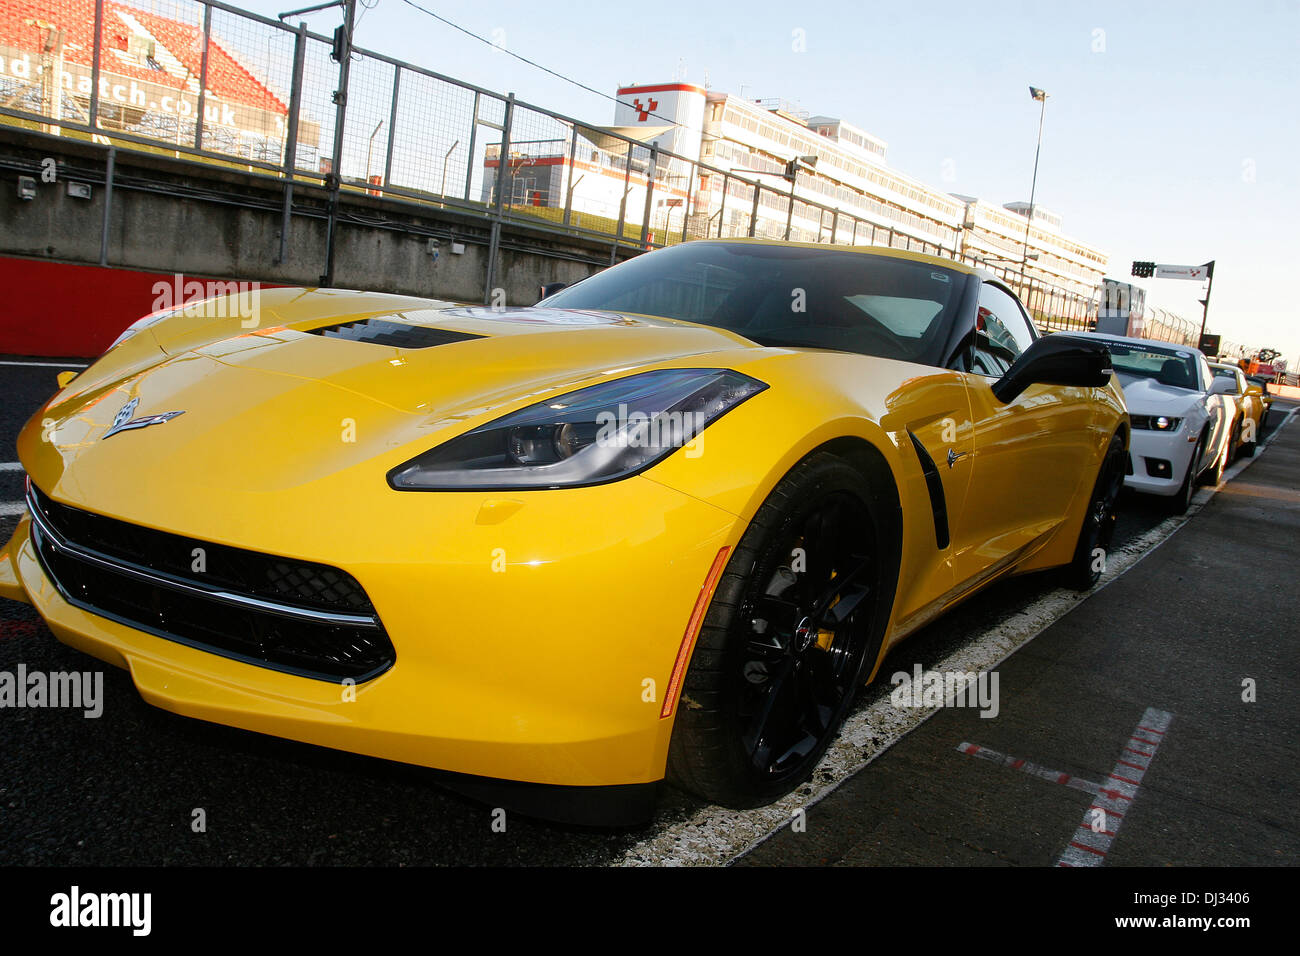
[(1197, 273)]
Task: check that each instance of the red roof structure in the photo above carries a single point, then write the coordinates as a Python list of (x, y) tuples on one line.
[(178, 47)]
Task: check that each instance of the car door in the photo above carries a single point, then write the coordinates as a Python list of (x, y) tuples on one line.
[(1031, 457), (931, 416)]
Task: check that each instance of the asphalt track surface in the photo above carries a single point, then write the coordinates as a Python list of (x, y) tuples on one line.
[(124, 788)]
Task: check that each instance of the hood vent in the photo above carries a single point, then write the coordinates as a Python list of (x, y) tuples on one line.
[(396, 335)]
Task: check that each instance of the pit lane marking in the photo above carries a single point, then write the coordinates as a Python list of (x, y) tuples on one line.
[(1033, 769), (1088, 846)]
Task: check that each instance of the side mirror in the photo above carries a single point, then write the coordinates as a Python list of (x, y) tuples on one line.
[(1055, 359), (1254, 390), (551, 288), (1223, 386)]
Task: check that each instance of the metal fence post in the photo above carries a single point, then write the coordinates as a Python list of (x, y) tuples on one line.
[(568, 186), (203, 76), (789, 212), (686, 203), (473, 136), (340, 119), (622, 203), (291, 141), (722, 207), (94, 64), (649, 195), (503, 166), (392, 127), (108, 205)]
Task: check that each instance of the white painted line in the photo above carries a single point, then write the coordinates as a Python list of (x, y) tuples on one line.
[(1033, 769), (11, 508), (11, 466), (45, 364), (1092, 840), (713, 836)]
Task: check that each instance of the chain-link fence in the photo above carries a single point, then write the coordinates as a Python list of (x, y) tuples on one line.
[(211, 83)]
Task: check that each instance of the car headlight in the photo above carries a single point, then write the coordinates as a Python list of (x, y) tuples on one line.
[(1158, 423), (595, 434)]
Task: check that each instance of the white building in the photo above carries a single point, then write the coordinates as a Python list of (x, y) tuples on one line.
[(845, 191)]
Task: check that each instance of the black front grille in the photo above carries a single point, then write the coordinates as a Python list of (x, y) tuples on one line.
[(295, 616)]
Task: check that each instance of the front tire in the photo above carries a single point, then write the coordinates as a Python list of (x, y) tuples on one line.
[(1083, 572), (1215, 474), (795, 624), (1182, 500)]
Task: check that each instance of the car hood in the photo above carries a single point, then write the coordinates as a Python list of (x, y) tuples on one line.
[(1146, 396), (291, 402)]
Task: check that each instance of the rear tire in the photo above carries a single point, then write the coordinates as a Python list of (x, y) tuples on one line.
[(1248, 448), (782, 652)]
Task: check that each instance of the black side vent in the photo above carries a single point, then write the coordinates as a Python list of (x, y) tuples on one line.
[(397, 335), (938, 505)]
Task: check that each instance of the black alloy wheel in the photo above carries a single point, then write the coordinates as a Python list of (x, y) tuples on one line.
[(793, 628), (803, 643)]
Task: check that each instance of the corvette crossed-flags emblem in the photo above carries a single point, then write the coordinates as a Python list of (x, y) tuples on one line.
[(123, 421)]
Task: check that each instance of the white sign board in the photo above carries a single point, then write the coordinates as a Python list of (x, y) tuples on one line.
[(1200, 273)]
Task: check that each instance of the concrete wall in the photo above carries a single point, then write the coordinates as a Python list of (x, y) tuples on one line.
[(169, 215)]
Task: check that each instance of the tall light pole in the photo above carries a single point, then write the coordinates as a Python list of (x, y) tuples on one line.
[(1041, 96)]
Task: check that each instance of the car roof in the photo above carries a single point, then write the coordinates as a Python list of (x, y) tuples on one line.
[(866, 250)]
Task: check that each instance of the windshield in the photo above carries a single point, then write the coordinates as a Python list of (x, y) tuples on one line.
[(786, 296), (1168, 366)]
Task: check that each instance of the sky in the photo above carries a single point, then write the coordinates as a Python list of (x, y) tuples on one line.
[(1172, 130)]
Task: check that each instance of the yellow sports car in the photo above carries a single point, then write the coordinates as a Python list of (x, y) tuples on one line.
[(661, 525)]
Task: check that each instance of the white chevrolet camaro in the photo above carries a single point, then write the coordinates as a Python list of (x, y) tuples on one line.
[(1181, 427)]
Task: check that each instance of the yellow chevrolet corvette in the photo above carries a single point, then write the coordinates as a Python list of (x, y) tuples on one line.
[(661, 525)]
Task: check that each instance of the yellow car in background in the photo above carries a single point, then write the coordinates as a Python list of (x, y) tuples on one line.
[(664, 524), (1260, 382), (1250, 408)]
